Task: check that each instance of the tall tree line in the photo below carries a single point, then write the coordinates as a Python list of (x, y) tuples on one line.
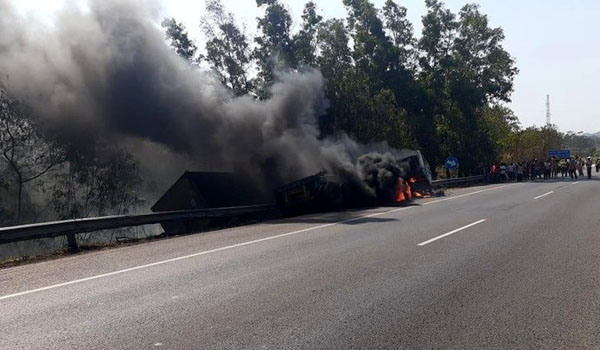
[(443, 92)]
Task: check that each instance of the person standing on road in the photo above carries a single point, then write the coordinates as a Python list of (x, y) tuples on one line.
[(503, 176), (588, 165), (564, 169), (598, 165), (572, 168), (547, 169), (580, 166), (554, 168), (511, 171), (519, 172), (540, 169)]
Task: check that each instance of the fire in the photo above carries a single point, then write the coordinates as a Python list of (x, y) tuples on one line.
[(403, 190), (418, 194)]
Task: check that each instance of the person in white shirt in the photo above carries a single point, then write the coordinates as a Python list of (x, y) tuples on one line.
[(503, 176)]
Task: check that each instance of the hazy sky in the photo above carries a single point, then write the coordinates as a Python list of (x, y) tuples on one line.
[(556, 44)]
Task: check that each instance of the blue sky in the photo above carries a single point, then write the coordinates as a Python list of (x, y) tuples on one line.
[(556, 44)]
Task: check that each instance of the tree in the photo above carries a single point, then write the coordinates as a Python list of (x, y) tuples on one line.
[(335, 63), (389, 122), (483, 61), (480, 73), (305, 41), (437, 39), (580, 144), (532, 143), (401, 31), (496, 124), (96, 181), (465, 71), (179, 39), (373, 51), (275, 47), (24, 149), (227, 48)]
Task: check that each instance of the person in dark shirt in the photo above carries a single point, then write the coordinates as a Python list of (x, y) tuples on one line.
[(572, 168)]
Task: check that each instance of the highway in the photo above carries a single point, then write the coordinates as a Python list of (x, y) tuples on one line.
[(504, 266)]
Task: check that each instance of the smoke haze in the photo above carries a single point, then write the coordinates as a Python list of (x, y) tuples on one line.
[(105, 74)]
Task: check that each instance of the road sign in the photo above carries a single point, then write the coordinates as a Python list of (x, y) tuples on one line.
[(451, 163), (562, 154)]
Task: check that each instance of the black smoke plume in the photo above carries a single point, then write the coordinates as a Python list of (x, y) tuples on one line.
[(105, 74), (380, 172)]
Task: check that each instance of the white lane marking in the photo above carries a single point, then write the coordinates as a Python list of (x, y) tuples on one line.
[(195, 255), (118, 272), (451, 232), (574, 183), (544, 195)]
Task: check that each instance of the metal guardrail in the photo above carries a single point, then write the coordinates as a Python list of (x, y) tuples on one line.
[(71, 227), (438, 183)]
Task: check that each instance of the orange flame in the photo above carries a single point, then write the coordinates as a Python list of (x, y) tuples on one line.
[(418, 193), (403, 191)]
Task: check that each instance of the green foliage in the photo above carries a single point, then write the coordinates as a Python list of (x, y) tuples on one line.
[(442, 93), (465, 70), (531, 143), (401, 32), (373, 51), (179, 39), (581, 144), (305, 42), (275, 49), (227, 49), (336, 65), (482, 61), (437, 40)]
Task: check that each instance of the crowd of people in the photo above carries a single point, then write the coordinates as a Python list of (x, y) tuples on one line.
[(544, 169)]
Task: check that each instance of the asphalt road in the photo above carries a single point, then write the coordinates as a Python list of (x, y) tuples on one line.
[(483, 268)]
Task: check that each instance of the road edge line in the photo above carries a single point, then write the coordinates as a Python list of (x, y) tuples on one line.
[(451, 232)]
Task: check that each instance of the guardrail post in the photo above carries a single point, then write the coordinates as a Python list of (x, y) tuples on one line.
[(72, 243), (71, 228)]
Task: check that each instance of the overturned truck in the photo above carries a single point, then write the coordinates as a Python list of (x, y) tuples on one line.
[(383, 179), (321, 192)]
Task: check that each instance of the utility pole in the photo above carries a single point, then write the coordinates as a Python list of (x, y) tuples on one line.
[(548, 114)]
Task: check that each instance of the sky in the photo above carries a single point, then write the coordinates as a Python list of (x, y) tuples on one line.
[(556, 44)]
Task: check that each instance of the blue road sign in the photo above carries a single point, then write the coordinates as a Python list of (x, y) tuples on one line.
[(562, 154), (451, 163)]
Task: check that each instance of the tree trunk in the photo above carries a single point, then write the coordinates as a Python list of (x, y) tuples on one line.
[(19, 200)]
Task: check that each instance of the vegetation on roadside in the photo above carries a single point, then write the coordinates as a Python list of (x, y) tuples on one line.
[(444, 91)]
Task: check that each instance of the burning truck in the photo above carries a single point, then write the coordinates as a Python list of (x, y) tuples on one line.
[(385, 179), (376, 179)]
